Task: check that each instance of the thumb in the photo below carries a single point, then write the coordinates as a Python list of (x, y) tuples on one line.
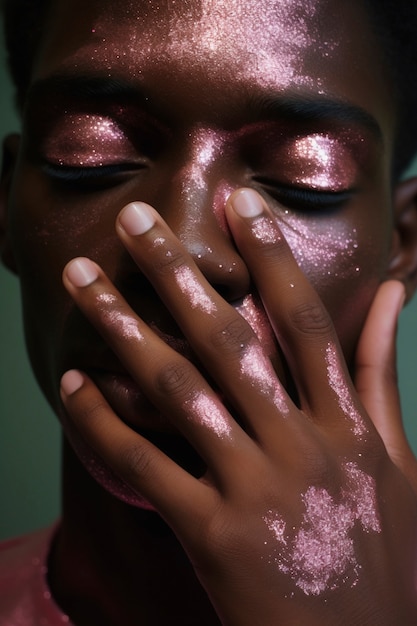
[(376, 370)]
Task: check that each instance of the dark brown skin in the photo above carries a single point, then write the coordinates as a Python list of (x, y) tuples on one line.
[(116, 564)]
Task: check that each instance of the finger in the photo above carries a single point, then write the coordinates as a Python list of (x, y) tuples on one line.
[(167, 378), (222, 339), (300, 320), (141, 465), (376, 370)]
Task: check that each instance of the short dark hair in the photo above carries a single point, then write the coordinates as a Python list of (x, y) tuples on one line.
[(394, 21), (23, 25)]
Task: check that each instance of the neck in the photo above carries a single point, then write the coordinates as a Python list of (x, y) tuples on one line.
[(116, 564)]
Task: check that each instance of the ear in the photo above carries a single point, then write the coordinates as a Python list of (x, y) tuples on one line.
[(403, 260), (10, 150)]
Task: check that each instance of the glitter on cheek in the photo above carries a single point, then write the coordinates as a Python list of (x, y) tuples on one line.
[(210, 414), (188, 283), (331, 251), (257, 367), (338, 383)]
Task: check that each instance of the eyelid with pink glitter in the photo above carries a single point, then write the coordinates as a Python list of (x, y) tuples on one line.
[(89, 141), (314, 170)]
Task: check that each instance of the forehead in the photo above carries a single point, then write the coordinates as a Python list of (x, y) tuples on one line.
[(228, 47), (254, 38)]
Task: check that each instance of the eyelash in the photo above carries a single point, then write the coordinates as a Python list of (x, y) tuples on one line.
[(94, 176), (100, 177), (305, 199)]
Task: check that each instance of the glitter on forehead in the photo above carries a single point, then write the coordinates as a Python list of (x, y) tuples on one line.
[(210, 414), (339, 385), (267, 41), (320, 557), (258, 369), (188, 283)]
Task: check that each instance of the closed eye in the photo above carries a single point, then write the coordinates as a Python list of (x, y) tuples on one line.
[(305, 198), (90, 177)]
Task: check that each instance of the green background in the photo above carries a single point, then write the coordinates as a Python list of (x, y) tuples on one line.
[(29, 434)]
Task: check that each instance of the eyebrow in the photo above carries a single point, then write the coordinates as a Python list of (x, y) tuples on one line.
[(305, 108), (298, 107), (84, 87)]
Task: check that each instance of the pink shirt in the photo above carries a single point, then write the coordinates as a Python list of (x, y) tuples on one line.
[(25, 599)]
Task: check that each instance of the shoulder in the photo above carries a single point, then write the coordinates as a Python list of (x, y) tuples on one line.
[(24, 595)]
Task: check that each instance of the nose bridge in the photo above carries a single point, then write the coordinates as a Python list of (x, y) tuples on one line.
[(201, 181), (193, 204)]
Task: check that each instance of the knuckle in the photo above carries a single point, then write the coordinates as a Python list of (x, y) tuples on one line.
[(231, 337), (311, 319), (168, 262), (174, 380), (219, 536), (92, 410), (135, 462), (316, 468)]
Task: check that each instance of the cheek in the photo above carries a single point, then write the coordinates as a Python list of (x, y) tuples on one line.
[(46, 234), (345, 264)]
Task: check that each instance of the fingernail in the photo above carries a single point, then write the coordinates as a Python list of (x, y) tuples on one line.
[(71, 382), (82, 272), (137, 218), (247, 203)]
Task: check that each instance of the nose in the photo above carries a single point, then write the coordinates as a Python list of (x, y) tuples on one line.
[(193, 202)]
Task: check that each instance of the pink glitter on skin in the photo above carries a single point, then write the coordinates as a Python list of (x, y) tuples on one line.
[(227, 33), (189, 285), (319, 246), (210, 414), (338, 384), (264, 230), (256, 366), (206, 149), (324, 163), (89, 141), (254, 313), (126, 323), (321, 556)]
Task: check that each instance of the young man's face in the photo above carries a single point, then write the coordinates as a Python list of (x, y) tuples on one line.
[(177, 104)]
